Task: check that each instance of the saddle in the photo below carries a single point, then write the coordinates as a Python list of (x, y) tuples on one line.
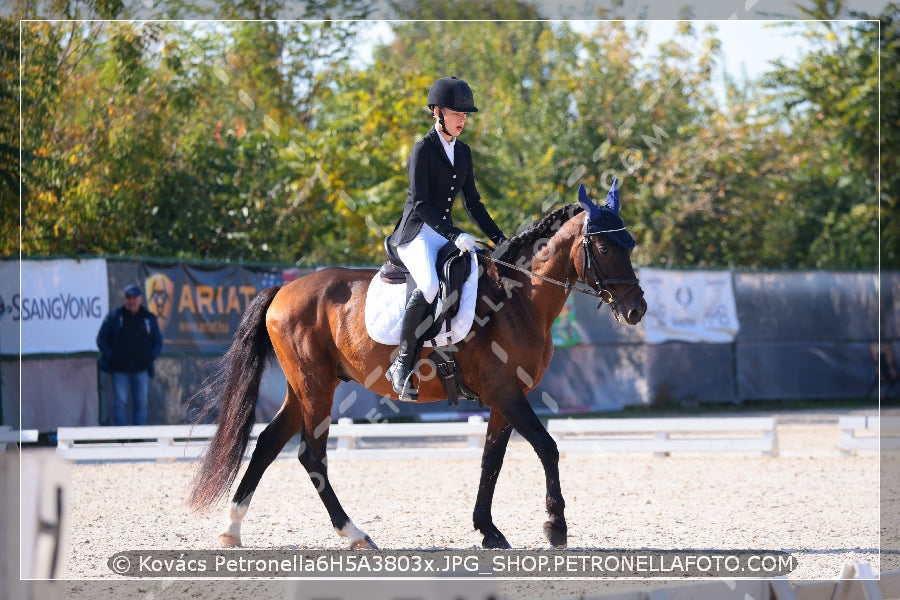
[(453, 268)]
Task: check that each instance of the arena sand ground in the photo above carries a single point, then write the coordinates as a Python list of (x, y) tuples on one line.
[(810, 501)]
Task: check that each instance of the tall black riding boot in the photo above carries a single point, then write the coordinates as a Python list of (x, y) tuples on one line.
[(400, 372)]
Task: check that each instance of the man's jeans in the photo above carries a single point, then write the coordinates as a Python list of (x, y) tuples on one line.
[(138, 383)]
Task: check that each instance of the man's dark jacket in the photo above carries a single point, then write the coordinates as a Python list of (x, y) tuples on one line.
[(130, 354), (433, 186)]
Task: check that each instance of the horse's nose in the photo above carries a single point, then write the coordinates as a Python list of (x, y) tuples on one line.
[(636, 314)]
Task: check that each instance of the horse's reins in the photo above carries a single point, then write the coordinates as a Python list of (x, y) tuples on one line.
[(589, 262), (566, 284)]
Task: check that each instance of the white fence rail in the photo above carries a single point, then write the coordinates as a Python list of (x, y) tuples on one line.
[(394, 440), (665, 435), (8, 435), (355, 440), (144, 442), (348, 440), (867, 432)]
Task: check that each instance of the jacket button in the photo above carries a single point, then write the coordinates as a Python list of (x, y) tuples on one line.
[(454, 177)]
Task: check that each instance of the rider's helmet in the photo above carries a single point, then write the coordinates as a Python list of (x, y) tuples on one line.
[(452, 93)]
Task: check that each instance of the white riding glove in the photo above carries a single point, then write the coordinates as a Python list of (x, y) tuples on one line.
[(466, 243)]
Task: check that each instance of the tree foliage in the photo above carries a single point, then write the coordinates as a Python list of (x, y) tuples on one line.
[(832, 97), (272, 141)]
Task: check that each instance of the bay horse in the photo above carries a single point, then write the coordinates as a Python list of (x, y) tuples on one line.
[(315, 327)]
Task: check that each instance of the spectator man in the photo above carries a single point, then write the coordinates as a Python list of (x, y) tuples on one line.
[(129, 341)]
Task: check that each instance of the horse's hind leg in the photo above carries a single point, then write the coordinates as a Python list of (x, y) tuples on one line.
[(496, 440), (312, 456), (283, 427)]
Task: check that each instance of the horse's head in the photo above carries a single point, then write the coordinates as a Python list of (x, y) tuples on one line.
[(605, 261)]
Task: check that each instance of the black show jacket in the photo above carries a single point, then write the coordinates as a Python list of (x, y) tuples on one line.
[(433, 186)]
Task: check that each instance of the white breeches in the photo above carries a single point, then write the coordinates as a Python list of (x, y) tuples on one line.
[(420, 255)]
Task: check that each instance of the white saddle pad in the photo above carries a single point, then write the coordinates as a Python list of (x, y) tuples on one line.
[(386, 303)]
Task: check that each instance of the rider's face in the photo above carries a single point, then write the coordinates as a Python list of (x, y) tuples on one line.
[(453, 121)]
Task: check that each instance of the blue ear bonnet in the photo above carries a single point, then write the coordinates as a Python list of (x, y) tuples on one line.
[(606, 219)]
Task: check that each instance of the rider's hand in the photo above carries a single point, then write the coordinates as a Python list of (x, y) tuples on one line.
[(466, 242)]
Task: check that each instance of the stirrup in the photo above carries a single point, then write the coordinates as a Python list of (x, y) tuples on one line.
[(407, 393)]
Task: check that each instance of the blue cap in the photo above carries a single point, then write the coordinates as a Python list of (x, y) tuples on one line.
[(132, 290)]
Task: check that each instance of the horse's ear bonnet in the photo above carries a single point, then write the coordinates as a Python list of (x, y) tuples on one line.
[(605, 219)]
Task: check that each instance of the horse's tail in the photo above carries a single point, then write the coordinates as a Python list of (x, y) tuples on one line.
[(236, 381)]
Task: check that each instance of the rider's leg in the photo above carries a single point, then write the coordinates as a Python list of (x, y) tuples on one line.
[(400, 372), (419, 256)]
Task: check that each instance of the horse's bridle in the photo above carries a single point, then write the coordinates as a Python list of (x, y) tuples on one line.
[(589, 262)]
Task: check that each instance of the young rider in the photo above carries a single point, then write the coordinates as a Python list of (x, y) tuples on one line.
[(440, 166)]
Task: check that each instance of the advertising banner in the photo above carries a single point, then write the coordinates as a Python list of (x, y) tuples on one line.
[(690, 306), (199, 309), (59, 307)]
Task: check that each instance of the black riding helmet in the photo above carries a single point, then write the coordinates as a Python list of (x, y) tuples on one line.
[(452, 93)]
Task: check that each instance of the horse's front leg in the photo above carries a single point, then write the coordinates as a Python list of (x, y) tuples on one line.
[(496, 440), (522, 417)]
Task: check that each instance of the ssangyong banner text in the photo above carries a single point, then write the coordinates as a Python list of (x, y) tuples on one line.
[(59, 307)]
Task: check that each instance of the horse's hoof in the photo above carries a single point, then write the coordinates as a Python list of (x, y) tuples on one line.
[(365, 543), (495, 542), (229, 541), (556, 535)]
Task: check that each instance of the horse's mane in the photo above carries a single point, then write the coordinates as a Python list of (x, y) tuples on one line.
[(524, 241), (545, 228)]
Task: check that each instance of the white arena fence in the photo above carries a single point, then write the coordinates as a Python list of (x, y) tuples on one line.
[(11, 437), (666, 435), (868, 433), (349, 440)]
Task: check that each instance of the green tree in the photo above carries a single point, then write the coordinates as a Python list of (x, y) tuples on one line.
[(270, 141), (163, 138), (889, 53), (830, 100), (9, 138)]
